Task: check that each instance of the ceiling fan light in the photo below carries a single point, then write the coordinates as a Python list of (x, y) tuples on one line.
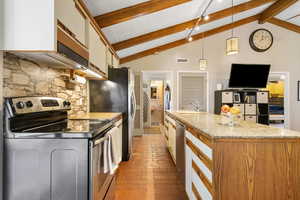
[(232, 46), (203, 63)]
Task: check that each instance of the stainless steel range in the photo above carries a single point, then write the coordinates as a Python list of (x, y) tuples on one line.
[(49, 157)]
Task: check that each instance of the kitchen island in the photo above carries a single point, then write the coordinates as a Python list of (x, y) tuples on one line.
[(248, 161)]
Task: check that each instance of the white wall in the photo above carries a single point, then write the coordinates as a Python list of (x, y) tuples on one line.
[(284, 55)]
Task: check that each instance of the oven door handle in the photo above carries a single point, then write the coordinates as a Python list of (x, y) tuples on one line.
[(99, 141)]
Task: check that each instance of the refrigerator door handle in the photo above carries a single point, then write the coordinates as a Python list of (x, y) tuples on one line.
[(134, 105)]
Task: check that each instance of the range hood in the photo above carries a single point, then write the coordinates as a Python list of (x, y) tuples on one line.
[(64, 58)]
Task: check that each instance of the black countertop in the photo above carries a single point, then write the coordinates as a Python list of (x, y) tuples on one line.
[(76, 129)]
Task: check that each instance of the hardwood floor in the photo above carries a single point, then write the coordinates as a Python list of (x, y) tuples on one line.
[(150, 174)]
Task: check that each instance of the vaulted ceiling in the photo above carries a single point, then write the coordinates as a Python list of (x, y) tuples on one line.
[(138, 28)]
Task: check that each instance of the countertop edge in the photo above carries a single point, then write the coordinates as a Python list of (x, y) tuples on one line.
[(235, 138)]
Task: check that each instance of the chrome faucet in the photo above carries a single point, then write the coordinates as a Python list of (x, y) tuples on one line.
[(196, 106)]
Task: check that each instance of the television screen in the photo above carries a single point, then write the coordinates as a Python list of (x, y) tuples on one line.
[(249, 76)]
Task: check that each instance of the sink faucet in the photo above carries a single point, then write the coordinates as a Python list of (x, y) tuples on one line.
[(196, 106)]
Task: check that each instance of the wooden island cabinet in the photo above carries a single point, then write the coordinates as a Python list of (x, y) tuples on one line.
[(245, 162)]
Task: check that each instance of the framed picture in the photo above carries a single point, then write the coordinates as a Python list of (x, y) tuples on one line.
[(154, 93), (298, 90)]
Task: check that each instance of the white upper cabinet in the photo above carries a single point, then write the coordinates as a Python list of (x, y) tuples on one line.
[(68, 13), (28, 25), (116, 62), (97, 50), (108, 57), (31, 25)]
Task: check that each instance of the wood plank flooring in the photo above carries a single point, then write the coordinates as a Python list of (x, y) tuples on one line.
[(150, 174)]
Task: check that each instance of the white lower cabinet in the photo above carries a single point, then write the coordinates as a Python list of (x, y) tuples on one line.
[(171, 134), (172, 141), (119, 125), (199, 175), (188, 171)]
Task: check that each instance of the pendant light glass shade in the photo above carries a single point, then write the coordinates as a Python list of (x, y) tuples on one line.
[(203, 64), (232, 46), (232, 43)]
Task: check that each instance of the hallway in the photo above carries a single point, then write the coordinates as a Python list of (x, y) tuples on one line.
[(150, 174)]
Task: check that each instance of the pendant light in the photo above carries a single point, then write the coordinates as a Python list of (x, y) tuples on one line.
[(232, 43), (203, 62)]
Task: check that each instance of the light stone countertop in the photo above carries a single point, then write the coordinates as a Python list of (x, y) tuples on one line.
[(96, 115), (210, 125)]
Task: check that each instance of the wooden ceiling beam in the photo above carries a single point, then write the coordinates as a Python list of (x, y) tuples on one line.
[(284, 24), (189, 24), (134, 11), (275, 9), (195, 37)]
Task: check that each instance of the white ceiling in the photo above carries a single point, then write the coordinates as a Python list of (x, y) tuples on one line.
[(181, 35), (291, 12), (98, 7), (169, 17)]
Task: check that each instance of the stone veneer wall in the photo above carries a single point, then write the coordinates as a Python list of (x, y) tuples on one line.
[(26, 78)]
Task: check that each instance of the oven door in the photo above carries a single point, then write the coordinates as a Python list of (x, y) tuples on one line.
[(100, 181)]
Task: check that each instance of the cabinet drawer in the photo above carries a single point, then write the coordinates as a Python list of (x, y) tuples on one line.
[(204, 148), (251, 118), (262, 97), (250, 109), (227, 97), (200, 186), (241, 107)]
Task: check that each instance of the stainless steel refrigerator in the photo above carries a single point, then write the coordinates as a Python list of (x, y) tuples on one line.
[(116, 95)]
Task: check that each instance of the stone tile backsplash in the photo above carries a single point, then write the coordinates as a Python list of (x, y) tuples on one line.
[(26, 78)]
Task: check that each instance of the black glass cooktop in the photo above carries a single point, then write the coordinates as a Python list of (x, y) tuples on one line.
[(71, 126)]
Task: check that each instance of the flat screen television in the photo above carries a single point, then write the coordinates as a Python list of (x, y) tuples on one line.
[(249, 76)]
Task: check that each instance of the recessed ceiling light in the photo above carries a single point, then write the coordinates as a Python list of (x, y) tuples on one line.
[(190, 39), (206, 17)]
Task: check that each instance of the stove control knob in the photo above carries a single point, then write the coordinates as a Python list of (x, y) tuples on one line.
[(67, 104), (20, 105), (29, 104)]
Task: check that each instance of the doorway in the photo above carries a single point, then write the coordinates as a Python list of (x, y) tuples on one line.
[(192, 91), (278, 87), (156, 99)]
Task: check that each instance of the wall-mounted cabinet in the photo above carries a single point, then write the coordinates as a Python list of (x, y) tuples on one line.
[(97, 50), (73, 19), (116, 62), (59, 33), (109, 58)]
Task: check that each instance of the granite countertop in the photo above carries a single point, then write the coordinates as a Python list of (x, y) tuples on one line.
[(96, 115), (210, 125)]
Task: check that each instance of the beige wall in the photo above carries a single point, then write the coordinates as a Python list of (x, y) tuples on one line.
[(284, 56), (27, 78)]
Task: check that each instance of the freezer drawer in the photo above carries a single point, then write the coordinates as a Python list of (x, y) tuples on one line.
[(46, 169)]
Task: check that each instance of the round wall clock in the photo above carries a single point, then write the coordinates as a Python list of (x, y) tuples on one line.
[(261, 40)]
